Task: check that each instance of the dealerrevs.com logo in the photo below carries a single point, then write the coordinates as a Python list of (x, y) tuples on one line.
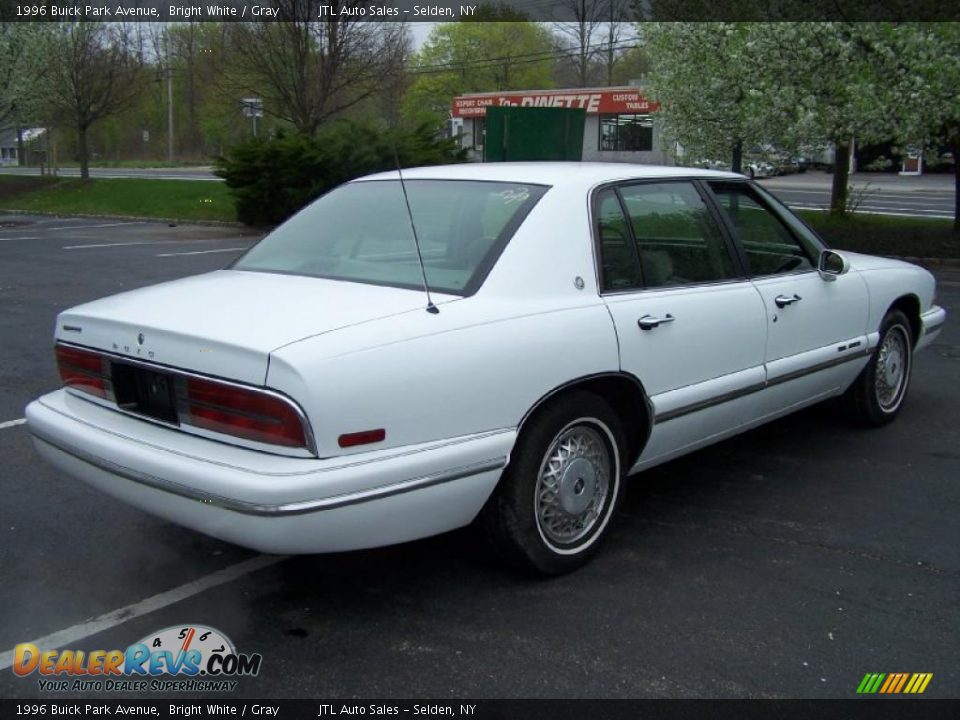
[(187, 658)]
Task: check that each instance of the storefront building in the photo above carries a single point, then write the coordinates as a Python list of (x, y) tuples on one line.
[(618, 128)]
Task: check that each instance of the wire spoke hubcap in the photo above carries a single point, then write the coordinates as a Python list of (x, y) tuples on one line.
[(893, 363), (573, 485)]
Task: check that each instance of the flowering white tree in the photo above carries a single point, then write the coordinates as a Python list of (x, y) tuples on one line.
[(930, 57), (726, 85), (21, 63), (705, 77), (832, 82)]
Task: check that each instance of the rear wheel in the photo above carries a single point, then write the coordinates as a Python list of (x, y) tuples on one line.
[(876, 396), (553, 505)]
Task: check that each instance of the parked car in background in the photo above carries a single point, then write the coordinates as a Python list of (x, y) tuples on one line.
[(584, 322), (759, 169), (768, 160), (707, 164)]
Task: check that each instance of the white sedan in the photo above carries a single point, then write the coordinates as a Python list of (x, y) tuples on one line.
[(580, 323)]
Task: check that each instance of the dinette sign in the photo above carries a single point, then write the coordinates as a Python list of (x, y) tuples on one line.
[(619, 100)]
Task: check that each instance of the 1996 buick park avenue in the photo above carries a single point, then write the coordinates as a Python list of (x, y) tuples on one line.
[(580, 323)]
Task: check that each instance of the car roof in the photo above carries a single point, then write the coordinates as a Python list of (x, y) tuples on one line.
[(556, 174)]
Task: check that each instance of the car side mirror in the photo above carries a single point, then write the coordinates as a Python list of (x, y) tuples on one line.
[(831, 265)]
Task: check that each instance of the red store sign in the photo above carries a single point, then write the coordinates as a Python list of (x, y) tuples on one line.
[(618, 100)]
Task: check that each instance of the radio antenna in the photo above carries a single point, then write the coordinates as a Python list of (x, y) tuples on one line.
[(431, 308)]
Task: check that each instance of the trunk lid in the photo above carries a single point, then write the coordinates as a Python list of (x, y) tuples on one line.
[(227, 322)]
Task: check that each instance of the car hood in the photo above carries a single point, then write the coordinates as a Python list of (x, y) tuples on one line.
[(859, 261), (227, 322)]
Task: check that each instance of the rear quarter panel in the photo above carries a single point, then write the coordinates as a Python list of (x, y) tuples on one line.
[(429, 377)]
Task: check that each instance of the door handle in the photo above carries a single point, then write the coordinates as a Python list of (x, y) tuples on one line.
[(782, 300), (649, 322)]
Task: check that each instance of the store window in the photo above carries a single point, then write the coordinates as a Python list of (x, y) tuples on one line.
[(631, 133)]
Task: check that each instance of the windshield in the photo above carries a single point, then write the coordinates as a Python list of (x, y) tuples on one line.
[(361, 232)]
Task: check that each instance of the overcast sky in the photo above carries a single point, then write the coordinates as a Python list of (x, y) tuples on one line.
[(420, 30)]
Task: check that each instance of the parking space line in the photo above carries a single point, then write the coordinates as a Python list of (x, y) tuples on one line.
[(117, 617), (44, 221), (90, 227), (12, 423), (121, 244), (201, 252)]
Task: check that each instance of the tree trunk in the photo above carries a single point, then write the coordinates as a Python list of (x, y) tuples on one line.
[(841, 175), (21, 153), (737, 164), (83, 150)]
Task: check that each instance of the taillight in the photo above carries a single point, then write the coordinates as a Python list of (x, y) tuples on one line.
[(241, 412), (82, 370)]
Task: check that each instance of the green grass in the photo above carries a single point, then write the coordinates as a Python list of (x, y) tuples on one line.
[(168, 199), (887, 234)]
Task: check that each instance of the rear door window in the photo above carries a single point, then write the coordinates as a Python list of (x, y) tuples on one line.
[(677, 238)]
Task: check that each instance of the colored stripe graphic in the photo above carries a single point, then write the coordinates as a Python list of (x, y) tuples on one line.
[(903, 680), (870, 683), (894, 683), (892, 679)]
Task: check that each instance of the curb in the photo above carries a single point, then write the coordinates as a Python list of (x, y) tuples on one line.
[(867, 186), (140, 218)]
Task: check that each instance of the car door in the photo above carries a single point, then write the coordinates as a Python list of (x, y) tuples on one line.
[(815, 329), (689, 323)]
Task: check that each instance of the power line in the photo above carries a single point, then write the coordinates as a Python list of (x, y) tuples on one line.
[(521, 59)]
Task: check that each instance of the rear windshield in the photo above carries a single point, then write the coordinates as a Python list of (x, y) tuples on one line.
[(361, 232)]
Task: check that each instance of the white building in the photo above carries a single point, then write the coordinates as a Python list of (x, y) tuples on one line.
[(9, 144)]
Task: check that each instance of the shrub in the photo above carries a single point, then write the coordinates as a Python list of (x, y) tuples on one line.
[(270, 179)]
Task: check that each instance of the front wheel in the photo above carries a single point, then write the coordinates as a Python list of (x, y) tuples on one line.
[(876, 396), (554, 502)]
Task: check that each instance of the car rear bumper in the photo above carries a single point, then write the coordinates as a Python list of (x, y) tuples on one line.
[(932, 322), (271, 503)]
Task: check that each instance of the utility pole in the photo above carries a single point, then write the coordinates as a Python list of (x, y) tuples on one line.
[(169, 101), (610, 45)]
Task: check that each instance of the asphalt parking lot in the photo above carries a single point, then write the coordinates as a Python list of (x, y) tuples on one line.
[(787, 562)]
